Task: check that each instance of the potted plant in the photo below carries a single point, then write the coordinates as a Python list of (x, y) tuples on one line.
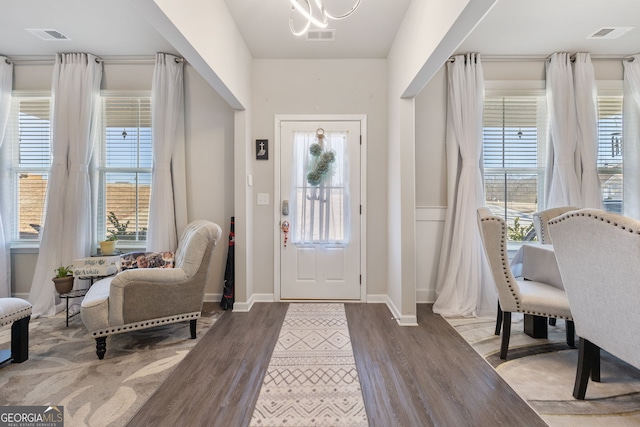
[(63, 279), (108, 246)]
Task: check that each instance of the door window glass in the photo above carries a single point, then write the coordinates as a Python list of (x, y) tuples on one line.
[(319, 194)]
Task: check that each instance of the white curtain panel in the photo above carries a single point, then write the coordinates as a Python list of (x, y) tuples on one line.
[(586, 96), (464, 286), (167, 113), (6, 84), (67, 230), (631, 136), (320, 214), (562, 184)]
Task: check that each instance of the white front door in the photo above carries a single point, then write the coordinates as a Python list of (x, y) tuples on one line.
[(320, 210)]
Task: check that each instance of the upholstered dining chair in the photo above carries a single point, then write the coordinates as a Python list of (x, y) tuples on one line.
[(146, 297), (541, 226), (541, 221), (518, 296), (598, 256)]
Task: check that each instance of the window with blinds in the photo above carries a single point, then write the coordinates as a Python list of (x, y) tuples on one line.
[(125, 168), (30, 130), (610, 151), (514, 129)]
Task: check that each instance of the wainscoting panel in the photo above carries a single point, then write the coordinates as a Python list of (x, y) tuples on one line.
[(429, 230)]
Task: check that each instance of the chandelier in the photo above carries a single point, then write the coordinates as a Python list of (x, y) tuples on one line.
[(315, 13)]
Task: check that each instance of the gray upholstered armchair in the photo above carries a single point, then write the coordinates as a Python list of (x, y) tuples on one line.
[(598, 256), (147, 297)]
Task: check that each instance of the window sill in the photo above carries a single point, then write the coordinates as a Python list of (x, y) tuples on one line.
[(130, 247), (34, 247), (25, 248)]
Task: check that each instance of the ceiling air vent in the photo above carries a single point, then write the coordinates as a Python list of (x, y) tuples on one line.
[(48, 34), (324, 35), (609, 33)]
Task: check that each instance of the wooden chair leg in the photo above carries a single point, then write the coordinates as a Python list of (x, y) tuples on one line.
[(595, 369), (571, 333), (20, 340), (588, 360), (498, 319), (506, 332), (192, 327), (101, 347)]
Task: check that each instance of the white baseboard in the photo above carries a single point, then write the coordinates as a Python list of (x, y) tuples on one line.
[(244, 307), (402, 320), (381, 299)]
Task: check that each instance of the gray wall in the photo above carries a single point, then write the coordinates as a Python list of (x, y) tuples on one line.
[(209, 156), (304, 87), (321, 87), (431, 182)]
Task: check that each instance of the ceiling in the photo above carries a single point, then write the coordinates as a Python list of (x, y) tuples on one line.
[(541, 27), (101, 27), (368, 33), (114, 28)]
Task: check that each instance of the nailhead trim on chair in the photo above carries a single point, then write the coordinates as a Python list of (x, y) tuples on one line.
[(555, 316), (504, 257), (543, 236), (594, 216), (23, 312), (145, 324), (505, 263), (547, 215)]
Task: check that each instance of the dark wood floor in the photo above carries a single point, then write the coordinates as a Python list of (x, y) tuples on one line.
[(424, 375)]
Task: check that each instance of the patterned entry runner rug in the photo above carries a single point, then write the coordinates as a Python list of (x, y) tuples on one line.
[(311, 379)]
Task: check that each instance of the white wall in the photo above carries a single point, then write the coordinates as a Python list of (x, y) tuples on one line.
[(203, 32), (431, 182), (430, 32), (206, 35), (321, 87), (425, 25), (209, 139), (209, 156)]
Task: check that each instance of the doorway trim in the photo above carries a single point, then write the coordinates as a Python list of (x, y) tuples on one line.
[(279, 118)]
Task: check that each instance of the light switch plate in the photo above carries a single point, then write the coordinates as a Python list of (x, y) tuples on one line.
[(263, 198)]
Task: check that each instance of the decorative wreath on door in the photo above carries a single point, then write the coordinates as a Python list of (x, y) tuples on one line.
[(321, 160)]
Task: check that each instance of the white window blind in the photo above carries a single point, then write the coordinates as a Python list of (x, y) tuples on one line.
[(610, 151), (125, 168), (513, 158), (30, 132)]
